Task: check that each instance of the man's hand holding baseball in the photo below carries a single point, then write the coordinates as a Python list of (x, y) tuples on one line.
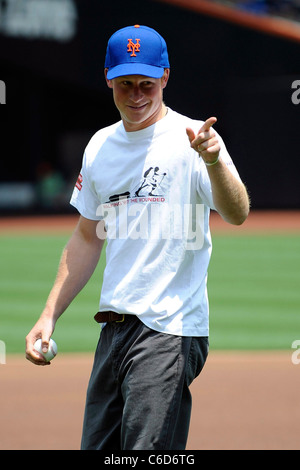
[(43, 329)]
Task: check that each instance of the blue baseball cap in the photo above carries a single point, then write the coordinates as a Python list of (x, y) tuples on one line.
[(136, 50)]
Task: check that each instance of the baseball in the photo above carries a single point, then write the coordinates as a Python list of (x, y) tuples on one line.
[(52, 350)]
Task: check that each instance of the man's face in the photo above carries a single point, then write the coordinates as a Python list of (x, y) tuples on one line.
[(139, 99)]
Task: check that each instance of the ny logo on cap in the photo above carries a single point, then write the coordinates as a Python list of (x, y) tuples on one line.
[(133, 47)]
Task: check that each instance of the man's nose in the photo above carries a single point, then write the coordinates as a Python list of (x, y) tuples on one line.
[(136, 94)]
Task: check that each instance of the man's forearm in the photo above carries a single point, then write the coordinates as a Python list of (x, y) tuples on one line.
[(77, 264), (229, 194)]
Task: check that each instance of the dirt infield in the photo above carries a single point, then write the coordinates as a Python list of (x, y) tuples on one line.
[(242, 400)]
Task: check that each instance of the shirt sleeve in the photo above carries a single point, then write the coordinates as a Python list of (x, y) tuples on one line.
[(84, 198)]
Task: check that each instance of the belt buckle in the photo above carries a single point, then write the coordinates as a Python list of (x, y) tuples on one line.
[(123, 319)]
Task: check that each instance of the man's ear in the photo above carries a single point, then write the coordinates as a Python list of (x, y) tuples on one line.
[(109, 82), (165, 78)]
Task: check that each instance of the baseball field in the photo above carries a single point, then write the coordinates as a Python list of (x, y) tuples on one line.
[(245, 398)]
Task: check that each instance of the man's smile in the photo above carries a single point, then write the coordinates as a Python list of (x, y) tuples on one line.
[(137, 107)]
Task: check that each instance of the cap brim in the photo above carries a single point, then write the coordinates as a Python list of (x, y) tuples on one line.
[(135, 69)]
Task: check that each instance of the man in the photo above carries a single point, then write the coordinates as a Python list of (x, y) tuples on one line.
[(148, 183)]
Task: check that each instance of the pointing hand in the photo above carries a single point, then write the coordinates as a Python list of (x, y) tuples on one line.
[(205, 142)]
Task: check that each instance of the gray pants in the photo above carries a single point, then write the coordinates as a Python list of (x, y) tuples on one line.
[(138, 396)]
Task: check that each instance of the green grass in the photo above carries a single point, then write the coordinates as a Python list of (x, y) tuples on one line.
[(254, 291), (28, 269)]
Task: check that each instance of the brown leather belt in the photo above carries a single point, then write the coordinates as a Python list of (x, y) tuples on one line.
[(107, 317)]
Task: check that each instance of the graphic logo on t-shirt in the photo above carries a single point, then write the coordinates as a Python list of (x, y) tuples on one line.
[(149, 186), (145, 212)]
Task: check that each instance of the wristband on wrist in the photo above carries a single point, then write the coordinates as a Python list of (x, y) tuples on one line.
[(213, 163)]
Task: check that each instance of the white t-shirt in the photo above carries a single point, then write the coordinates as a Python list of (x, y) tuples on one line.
[(154, 194)]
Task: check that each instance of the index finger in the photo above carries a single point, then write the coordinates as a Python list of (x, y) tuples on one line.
[(208, 123)]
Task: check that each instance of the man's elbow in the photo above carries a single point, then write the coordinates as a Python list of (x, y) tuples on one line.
[(238, 216), (239, 220), (242, 209)]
